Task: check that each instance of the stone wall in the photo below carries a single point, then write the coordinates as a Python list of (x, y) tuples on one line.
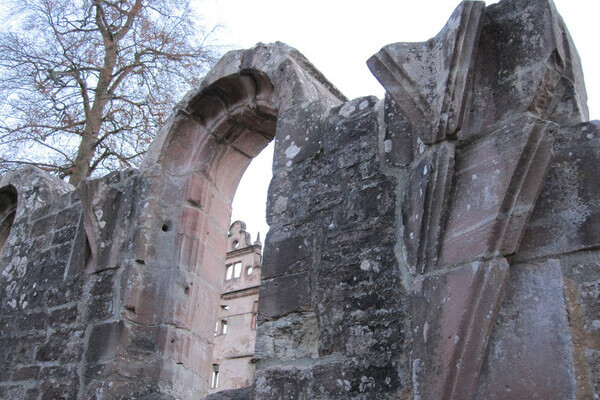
[(439, 243), (333, 313), (42, 329)]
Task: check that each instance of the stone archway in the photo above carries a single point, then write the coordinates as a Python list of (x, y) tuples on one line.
[(229, 124), (173, 264), (222, 127)]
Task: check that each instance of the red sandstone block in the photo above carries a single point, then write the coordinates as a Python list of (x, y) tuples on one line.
[(191, 221), (215, 236), (230, 169), (453, 314), (187, 250), (196, 190)]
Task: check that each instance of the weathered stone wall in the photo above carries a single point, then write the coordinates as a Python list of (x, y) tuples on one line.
[(41, 325), (60, 292), (440, 243), (333, 313)]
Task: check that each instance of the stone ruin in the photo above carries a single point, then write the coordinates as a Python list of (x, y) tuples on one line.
[(441, 243)]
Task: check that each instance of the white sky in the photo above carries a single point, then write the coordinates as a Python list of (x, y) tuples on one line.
[(339, 36)]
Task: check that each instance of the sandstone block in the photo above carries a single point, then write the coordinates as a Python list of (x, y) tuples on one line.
[(284, 295), (526, 62), (527, 357), (566, 216), (497, 181), (430, 81), (287, 256), (453, 314), (426, 201)]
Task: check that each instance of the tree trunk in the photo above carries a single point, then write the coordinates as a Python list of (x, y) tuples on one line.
[(81, 166)]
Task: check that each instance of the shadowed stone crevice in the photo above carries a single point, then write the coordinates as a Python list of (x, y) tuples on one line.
[(8, 209)]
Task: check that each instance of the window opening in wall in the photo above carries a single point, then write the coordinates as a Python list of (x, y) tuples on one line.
[(214, 380), (228, 122), (237, 270), (221, 327), (225, 307), (233, 271), (249, 270), (250, 201)]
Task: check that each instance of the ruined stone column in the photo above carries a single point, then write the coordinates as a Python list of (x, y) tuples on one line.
[(482, 118)]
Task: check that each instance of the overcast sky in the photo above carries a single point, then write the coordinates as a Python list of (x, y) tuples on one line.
[(339, 36)]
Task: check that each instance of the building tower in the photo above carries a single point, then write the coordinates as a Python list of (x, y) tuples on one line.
[(235, 329)]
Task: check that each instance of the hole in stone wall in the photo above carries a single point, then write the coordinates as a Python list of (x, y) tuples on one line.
[(166, 227), (8, 210)]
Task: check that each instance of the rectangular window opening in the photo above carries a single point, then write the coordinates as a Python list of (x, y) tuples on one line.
[(214, 380), (223, 326), (237, 269)]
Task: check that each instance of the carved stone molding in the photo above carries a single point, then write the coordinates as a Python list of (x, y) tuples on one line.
[(429, 81)]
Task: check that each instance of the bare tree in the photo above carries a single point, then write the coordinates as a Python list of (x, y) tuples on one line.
[(84, 84)]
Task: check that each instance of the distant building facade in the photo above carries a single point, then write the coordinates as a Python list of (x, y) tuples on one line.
[(235, 329)]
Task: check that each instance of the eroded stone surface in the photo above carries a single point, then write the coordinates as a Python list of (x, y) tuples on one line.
[(567, 215), (530, 353), (426, 202), (429, 81), (581, 275), (526, 62), (453, 313), (320, 206), (41, 329), (498, 178)]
